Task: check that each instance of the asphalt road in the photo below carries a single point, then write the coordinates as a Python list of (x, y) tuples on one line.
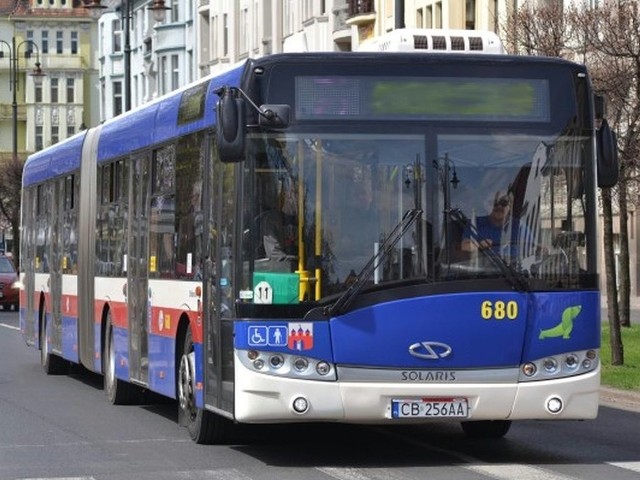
[(62, 427)]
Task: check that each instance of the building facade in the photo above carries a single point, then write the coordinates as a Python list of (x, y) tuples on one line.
[(154, 56), (60, 35)]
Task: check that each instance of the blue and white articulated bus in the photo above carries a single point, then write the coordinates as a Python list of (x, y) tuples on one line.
[(312, 237)]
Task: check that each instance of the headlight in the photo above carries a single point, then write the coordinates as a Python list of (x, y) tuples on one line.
[(284, 365), (559, 366)]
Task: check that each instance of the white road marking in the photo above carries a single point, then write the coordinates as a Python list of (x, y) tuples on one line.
[(633, 466), (12, 327), (510, 471)]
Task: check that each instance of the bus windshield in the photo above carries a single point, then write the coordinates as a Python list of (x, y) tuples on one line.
[(319, 206)]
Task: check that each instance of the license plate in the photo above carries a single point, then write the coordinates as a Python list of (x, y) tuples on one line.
[(430, 408)]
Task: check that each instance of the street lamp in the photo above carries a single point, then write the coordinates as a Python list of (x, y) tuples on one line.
[(158, 10), (14, 68)]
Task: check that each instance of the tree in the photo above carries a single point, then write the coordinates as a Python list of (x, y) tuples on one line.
[(10, 192), (615, 58), (607, 40)]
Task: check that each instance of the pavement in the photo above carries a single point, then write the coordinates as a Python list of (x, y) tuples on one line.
[(634, 305), (613, 397)]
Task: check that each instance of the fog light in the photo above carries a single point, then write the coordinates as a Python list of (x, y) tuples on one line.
[(529, 369), (572, 361), (550, 365), (554, 405), (258, 364), (323, 368), (276, 361), (300, 364), (300, 405), (586, 364)]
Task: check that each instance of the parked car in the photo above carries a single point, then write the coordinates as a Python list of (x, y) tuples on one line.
[(8, 289)]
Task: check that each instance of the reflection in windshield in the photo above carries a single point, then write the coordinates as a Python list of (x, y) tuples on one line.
[(322, 207), (526, 197), (318, 207)]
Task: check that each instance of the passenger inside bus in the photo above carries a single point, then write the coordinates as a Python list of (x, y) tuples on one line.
[(490, 228), (500, 230)]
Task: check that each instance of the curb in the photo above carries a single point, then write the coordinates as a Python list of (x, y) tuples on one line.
[(622, 399)]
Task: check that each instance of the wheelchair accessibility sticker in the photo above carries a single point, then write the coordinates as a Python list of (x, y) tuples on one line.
[(295, 336), (263, 336)]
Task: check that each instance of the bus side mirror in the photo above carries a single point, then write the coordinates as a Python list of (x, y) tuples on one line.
[(607, 153), (230, 131), (274, 116)]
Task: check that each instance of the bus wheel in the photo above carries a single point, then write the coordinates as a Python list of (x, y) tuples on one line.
[(486, 428), (204, 427), (118, 391), (51, 363)]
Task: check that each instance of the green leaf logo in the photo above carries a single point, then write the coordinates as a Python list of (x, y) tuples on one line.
[(564, 328)]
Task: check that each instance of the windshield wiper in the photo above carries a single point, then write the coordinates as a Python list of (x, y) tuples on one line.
[(343, 302), (514, 276)]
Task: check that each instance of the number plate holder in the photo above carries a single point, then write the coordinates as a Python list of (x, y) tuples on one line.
[(441, 407)]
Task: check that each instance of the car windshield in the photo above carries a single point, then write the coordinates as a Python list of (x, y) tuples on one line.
[(6, 266)]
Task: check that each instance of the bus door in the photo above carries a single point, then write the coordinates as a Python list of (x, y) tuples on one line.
[(55, 265), (138, 269), (218, 281), (27, 264)]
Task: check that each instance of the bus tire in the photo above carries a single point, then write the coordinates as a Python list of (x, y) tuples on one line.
[(51, 363), (118, 391), (204, 427), (486, 428)]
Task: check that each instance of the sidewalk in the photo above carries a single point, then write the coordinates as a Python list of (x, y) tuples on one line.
[(634, 306), (612, 397), (622, 399)]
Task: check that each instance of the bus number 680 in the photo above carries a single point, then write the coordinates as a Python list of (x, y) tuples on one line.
[(499, 310)]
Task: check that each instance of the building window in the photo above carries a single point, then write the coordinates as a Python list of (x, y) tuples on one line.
[(163, 81), (288, 13), (54, 90), (175, 13), (117, 35), (175, 72), (55, 134), (59, 42), (45, 41), (213, 44), (71, 94), (254, 28), (29, 42), (225, 33), (117, 98), (71, 130), (39, 143), (74, 43), (38, 93), (470, 15), (438, 15), (243, 36)]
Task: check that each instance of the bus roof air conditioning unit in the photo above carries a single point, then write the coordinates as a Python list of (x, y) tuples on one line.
[(421, 40)]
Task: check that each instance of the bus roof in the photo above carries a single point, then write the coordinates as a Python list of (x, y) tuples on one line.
[(158, 121), (152, 123), (59, 159), (421, 40)]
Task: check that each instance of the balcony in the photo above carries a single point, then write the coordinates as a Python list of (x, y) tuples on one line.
[(361, 7), (361, 12), (341, 30)]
